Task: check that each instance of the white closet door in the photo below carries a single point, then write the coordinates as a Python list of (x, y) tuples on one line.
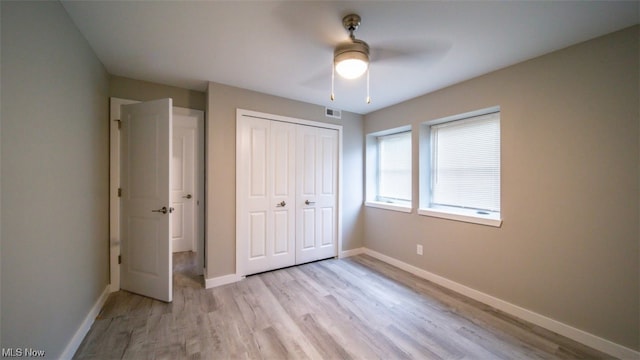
[(316, 195), (283, 193), (265, 195)]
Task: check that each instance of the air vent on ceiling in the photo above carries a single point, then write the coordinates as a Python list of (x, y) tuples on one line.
[(334, 113)]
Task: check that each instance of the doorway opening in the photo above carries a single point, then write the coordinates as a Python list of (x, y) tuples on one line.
[(186, 207)]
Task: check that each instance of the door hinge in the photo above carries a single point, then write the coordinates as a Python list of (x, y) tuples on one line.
[(119, 192), (119, 259), (119, 123)]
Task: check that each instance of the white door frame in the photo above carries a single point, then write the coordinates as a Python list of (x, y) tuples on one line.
[(114, 184), (248, 113)]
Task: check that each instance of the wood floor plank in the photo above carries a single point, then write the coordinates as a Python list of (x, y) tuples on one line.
[(299, 300), (322, 340), (385, 305), (354, 308), (416, 346), (231, 336), (270, 344)]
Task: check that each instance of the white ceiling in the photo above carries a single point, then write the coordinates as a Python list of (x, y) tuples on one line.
[(285, 48)]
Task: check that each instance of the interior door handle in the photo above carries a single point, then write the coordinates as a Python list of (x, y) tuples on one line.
[(307, 202), (281, 204), (188, 196), (164, 210)]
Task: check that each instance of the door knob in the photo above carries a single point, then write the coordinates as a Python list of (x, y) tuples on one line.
[(307, 202), (281, 204), (164, 210), (188, 196)]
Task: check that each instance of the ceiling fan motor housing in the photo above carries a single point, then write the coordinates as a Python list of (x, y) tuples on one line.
[(357, 48)]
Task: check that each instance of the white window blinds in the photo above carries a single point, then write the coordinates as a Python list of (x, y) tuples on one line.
[(394, 167), (465, 166)]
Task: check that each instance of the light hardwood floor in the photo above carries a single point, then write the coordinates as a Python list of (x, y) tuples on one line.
[(354, 308)]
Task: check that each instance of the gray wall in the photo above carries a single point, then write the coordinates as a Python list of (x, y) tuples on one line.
[(222, 103), (54, 177), (131, 89), (569, 244)]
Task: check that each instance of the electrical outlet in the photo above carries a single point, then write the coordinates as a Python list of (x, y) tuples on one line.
[(419, 249)]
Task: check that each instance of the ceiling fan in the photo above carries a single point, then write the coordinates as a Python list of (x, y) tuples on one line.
[(384, 51), (351, 58)]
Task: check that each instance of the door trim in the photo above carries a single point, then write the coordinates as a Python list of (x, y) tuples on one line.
[(114, 184), (249, 113)]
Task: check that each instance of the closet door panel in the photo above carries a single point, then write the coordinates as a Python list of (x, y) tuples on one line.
[(258, 163), (327, 194), (307, 160), (257, 235), (282, 143), (328, 162), (308, 229), (253, 215), (328, 227), (265, 195), (280, 236), (317, 194)]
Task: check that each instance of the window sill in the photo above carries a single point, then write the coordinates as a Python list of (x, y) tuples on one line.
[(388, 206), (489, 220)]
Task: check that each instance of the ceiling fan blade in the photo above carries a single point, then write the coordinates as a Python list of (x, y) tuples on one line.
[(427, 51), (387, 54), (320, 79)]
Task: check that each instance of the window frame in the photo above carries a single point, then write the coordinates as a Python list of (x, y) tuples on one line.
[(372, 173), (426, 208)]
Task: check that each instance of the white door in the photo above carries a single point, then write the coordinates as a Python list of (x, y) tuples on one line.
[(316, 200), (145, 181), (183, 183), (265, 194)]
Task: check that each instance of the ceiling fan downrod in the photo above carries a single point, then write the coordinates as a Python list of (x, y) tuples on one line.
[(351, 23)]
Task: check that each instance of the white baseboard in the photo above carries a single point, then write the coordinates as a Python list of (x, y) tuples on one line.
[(221, 280), (114, 287), (84, 328), (573, 333), (352, 252)]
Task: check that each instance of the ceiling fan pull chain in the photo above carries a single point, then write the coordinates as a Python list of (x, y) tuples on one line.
[(333, 71), (368, 97)]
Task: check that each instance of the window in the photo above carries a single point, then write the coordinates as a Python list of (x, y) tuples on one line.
[(394, 167), (389, 169), (463, 170)]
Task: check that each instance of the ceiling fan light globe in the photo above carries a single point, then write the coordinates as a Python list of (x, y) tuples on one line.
[(351, 68)]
